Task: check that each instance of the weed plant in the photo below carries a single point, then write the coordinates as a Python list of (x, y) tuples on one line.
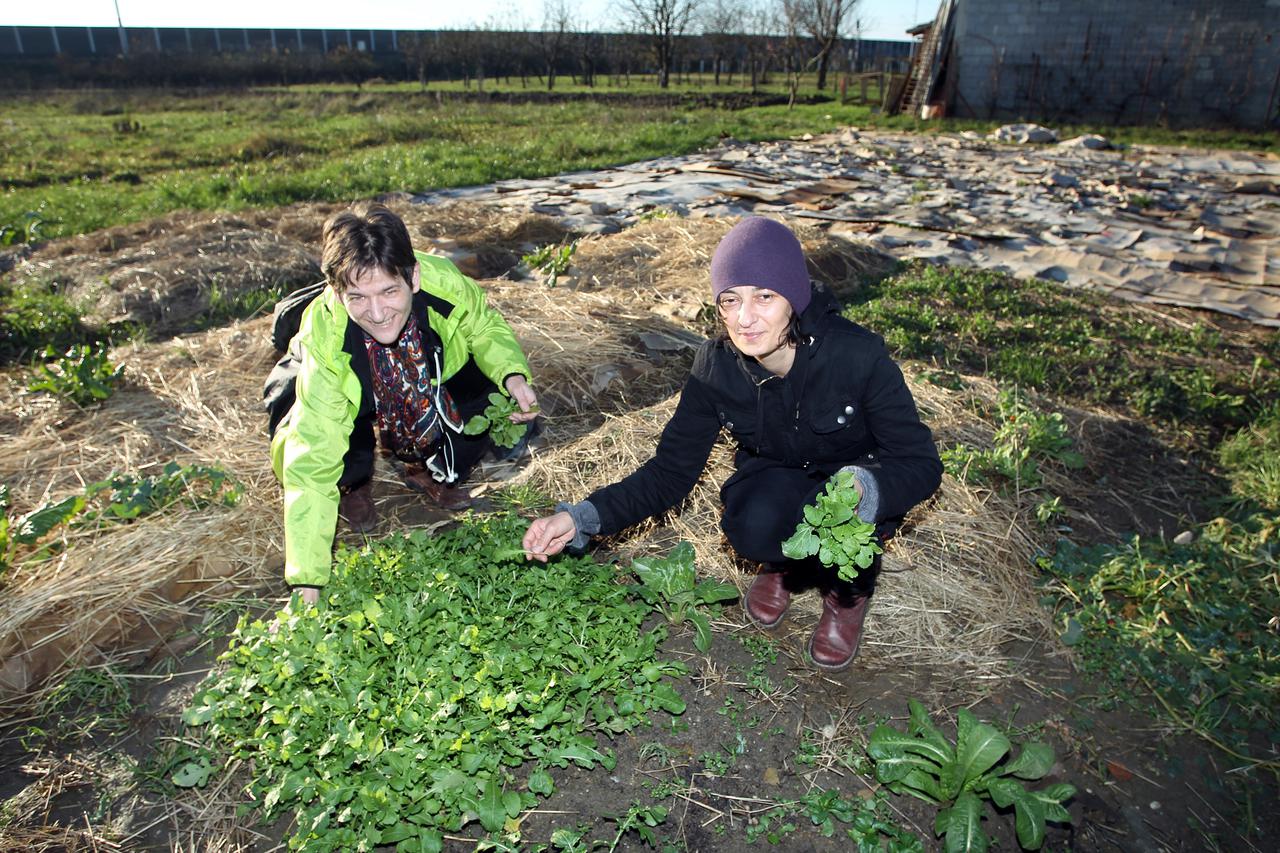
[(83, 375), (1189, 624), (32, 537)]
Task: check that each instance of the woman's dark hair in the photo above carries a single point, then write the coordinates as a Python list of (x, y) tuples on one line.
[(365, 237)]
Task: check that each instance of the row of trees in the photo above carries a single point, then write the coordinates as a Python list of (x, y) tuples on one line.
[(810, 29)]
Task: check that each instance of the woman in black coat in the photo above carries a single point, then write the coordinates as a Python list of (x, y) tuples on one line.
[(805, 394)]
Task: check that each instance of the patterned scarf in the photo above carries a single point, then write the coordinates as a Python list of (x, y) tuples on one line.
[(413, 405)]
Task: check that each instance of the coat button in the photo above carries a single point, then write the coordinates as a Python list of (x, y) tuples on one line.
[(728, 425), (848, 410), (842, 420)]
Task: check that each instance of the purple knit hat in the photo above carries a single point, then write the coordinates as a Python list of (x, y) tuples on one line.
[(762, 253)]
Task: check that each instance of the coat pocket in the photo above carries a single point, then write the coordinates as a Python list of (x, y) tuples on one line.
[(741, 424), (839, 429)]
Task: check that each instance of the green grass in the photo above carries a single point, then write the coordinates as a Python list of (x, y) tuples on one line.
[(1188, 380), (88, 167)]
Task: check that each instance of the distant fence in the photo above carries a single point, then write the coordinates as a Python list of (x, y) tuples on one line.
[(88, 42)]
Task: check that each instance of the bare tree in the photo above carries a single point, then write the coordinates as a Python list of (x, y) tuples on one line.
[(553, 41), (823, 20), (721, 20), (662, 22), (761, 21)]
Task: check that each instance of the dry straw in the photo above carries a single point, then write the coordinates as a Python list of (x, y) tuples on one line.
[(609, 347)]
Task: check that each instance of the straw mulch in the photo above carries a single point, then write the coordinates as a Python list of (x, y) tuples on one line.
[(121, 587), (609, 350)]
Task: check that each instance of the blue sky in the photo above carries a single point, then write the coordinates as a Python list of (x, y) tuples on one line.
[(887, 19)]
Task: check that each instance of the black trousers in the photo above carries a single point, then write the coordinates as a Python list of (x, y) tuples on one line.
[(470, 390), (763, 502)]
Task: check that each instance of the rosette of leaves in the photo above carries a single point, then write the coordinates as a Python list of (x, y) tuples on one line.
[(832, 531), (923, 763), (496, 418), (440, 683), (82, 375), (672, 587)]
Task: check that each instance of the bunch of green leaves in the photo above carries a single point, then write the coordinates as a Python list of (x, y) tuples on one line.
[(119, 498), (496, 418), (17, 536), (439, 681), (832, 530), (552, 259), (671, 585), (83, 375), (642, 820), (923, 763), (127, 496), (1025, 438), (1191, 625)]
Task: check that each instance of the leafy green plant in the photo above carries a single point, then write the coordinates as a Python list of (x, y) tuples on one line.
[(1025, 439), (922, 763), (23, 229), (832, 530), (439, 682), (552, 259), (29, 529), (496, 418), (119, 498), (672, 587), (84, 375), (126, 496), (34, 316), (640, 819)]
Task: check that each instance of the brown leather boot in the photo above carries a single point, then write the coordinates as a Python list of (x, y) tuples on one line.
[(418, 479), (357, 509), (835, 641), (768, 598)]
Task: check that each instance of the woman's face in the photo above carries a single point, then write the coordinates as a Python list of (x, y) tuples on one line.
[(757, 319)]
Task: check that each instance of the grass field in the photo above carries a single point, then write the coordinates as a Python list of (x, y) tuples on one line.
[(74, 162)]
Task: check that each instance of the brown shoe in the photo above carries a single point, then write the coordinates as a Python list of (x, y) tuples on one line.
[(768, 597), (418, 479), (357, 509), (835, 641)]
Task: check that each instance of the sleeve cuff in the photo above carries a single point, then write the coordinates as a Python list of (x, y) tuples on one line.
[(586, 520), (869, 506)]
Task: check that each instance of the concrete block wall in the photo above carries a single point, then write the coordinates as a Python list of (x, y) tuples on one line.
[(1203, 62)]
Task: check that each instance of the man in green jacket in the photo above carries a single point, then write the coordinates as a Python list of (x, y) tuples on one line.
[(399, 339)]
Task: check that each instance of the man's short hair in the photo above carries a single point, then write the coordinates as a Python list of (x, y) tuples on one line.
[(364, 237)]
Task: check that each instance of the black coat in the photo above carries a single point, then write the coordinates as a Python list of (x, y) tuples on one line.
[(844, 402)]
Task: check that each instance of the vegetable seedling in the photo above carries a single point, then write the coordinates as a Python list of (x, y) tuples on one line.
[(496, 418), (832, 530)]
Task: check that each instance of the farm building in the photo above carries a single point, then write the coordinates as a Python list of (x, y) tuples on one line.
[(1204, 62)]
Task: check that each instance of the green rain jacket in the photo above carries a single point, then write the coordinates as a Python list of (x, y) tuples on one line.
[(309, 444)]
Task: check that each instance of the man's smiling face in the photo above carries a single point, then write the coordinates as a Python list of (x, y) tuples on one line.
[(379, 302)]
